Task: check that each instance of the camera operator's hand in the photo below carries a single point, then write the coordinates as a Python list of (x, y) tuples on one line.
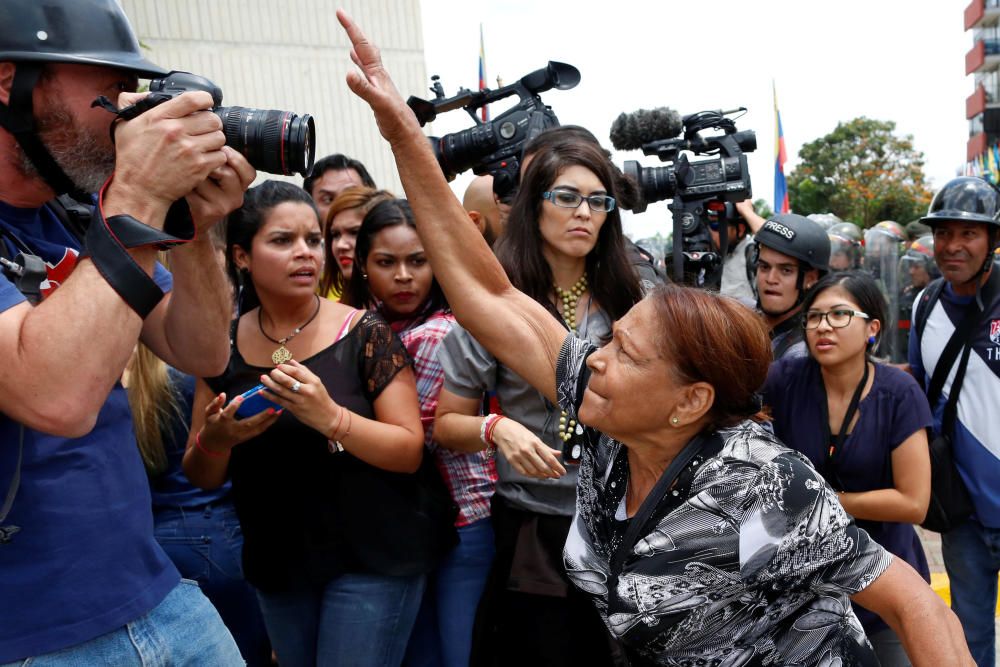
[(222, 192), (747, 212), (525, 452), (163, 154), (223, 431), (374, 85)]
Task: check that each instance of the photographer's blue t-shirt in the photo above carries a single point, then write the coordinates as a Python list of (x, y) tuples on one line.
[(84, 561)]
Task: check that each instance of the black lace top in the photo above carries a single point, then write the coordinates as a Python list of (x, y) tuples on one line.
[(308, 514)]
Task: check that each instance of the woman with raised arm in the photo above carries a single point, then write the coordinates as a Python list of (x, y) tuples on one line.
[(323, 480), (699, 537)]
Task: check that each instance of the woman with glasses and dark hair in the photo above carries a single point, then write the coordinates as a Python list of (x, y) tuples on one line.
[(861, 423), (563, 247)]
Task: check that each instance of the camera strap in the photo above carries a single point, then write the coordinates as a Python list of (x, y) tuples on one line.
[(109, 239)]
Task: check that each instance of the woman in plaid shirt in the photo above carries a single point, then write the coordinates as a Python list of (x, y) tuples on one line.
[(393, 275)]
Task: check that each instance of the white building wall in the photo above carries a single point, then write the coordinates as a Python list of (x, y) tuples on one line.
[(290, 55)]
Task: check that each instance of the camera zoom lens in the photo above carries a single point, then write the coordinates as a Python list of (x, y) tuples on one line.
[(278, 142)]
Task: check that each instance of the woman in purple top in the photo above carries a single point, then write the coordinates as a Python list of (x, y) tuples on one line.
[(861, 423)]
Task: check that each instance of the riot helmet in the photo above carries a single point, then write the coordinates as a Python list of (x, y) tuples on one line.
[(845, 255), (917, 266), (824, 220)]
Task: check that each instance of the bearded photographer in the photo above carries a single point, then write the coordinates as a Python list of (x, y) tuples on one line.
[(76, 543)]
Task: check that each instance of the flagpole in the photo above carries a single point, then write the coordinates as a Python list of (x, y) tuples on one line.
[(485, 111)]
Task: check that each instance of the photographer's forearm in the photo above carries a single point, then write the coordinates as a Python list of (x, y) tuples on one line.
[(62, 357), (189, 330)]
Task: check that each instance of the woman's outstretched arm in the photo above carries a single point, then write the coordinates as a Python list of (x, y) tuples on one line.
[(513, 327)]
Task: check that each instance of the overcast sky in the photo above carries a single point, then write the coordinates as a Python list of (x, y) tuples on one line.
[(831, 62)]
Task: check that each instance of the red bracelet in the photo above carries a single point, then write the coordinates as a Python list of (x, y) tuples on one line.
[(214, 455), (490, 428), (340, 418)]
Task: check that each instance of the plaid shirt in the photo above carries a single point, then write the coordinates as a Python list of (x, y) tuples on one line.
[(470, 476)]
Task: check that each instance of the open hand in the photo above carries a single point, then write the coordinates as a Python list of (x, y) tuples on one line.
[(222, 430), (525, 452), (374, 85)]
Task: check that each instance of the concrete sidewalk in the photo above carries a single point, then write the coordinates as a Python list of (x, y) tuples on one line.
[(939, 578)]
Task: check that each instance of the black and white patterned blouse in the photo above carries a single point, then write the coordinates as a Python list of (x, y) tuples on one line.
[(746, 558)]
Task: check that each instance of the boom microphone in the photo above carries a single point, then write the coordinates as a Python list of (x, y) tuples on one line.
[(631, 130)]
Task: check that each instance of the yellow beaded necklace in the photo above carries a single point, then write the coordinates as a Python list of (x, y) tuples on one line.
[(570, 298)]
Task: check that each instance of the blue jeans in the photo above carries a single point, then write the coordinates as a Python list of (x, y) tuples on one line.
[(972, 558), (443, 632), (356, 620), (206, 545), (184, 629)]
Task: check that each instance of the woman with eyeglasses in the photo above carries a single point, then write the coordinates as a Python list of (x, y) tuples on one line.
[(563, 246), (861, 423)]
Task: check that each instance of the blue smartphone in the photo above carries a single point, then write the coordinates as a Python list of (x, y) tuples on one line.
[(255, 401)]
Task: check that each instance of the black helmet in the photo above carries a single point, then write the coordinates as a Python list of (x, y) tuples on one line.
[(85, 32), (965, 199), (798, 237)]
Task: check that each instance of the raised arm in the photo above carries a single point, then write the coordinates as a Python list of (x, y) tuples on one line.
[(512, 326)]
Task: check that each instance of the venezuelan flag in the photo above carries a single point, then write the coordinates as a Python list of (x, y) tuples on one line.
[(482, 73), (780, 187)]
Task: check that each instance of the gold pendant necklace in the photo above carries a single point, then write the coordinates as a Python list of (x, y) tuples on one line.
[(283, 354)]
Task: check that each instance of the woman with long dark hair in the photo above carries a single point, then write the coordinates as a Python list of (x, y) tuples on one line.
[(323, 481), (563, 247), (392, 275), (698, 537), (861, 423)]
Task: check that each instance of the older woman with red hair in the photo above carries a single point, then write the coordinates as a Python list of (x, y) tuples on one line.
[(699, 537)]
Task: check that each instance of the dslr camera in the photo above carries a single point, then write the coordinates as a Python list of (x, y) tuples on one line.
[(494, 147), (703, 192), (279, 142)]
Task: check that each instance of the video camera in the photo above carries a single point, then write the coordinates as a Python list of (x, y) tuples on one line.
[(494, 147), (279, 142), (703, 193)]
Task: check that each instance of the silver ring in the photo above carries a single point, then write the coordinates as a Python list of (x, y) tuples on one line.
[(296, 386)]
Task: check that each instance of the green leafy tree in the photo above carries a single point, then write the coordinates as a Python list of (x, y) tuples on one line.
[(861, 172)]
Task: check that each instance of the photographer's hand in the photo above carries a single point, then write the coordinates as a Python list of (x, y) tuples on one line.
[(162, 155), (746, 210), (222, 192)]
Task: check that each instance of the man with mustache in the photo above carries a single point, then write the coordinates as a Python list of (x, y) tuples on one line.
[(964, 218)]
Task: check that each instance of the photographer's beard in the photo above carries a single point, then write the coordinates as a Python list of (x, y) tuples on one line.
[(87, 160)]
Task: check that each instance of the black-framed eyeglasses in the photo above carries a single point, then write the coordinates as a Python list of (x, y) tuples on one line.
[(570, 199), (838, 318)]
